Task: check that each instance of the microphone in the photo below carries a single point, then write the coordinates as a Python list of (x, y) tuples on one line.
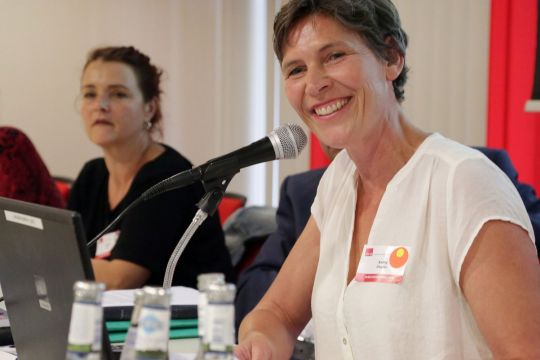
[(285, 142)]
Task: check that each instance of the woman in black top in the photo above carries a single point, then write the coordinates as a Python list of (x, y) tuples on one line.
[(120, 106)]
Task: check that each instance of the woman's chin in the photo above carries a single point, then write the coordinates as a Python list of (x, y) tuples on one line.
[(334, 137), (103, 141)]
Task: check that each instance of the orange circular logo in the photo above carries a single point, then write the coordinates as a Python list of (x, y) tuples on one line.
[(399, 257)]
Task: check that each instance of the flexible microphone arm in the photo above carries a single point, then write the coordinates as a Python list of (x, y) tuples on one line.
[(207, 206)]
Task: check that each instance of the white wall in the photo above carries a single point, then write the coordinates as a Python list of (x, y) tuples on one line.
[(44, 45), (210, 51), (448, 55)]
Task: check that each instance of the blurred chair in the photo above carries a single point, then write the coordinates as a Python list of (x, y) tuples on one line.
[(63, 184), (23, 174), (246, 231), (229, 204)]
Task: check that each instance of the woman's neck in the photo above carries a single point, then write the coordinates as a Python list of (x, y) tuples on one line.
[(384, 152), (124, 162)]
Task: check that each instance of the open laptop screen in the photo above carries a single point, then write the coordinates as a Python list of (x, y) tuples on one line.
[(42, 253)]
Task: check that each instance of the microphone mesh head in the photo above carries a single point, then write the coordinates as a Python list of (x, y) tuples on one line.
[(291, 139)]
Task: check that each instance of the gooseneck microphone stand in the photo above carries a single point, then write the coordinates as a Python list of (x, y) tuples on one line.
[(285, 142), (215, 189)]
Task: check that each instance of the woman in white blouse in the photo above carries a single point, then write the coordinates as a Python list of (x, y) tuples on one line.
[(418, 247)]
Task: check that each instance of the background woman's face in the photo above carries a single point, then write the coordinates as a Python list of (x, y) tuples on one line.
[(332, 80), (112, 104)]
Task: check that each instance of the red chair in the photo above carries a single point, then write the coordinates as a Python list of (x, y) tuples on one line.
[(229, 204), (63, 185)]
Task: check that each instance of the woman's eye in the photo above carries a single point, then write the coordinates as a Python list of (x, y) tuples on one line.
[(295, 71), (335, 56), (88, 95), (118, 94)]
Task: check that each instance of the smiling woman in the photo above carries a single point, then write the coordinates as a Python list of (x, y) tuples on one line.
[(121, 111), (383, 279)]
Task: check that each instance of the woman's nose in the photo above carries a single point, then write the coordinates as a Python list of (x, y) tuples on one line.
[(317, 82), (103, 102)]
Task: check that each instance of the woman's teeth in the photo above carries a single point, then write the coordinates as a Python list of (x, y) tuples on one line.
[(329, 109)]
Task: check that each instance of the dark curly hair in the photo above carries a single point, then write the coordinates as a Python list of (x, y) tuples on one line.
[(376, 21), (148, 75)]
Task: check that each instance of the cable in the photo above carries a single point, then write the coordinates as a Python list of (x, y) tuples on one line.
[(98, 236)]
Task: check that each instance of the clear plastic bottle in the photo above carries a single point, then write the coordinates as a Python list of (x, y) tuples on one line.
[(152, 340), (219, 336), (203, 283), (86, 326), (128, 351)]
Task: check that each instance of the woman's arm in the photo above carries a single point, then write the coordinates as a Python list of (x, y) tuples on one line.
[(270, 330), (119, 274), (500, 279)]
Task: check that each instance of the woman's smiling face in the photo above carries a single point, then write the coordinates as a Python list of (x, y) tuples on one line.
[(333, 80)]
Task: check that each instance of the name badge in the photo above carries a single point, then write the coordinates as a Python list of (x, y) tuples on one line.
[(384, 264), (105, 244)]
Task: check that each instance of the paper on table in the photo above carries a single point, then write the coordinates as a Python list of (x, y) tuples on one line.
[(182, 356), (181, 295), (8, 353)]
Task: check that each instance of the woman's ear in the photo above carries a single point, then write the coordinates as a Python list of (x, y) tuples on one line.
[(393, 69), (396, 60), (150, 109)]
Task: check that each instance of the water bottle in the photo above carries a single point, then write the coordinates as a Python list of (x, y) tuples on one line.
[(152, 338), (218, 340), (86, 326), (203, 283), (128, 352)]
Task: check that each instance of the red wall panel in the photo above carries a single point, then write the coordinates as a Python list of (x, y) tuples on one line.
[(511, 74), (317, 158)]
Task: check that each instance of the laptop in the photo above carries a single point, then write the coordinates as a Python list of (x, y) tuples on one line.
[(42, 253)]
